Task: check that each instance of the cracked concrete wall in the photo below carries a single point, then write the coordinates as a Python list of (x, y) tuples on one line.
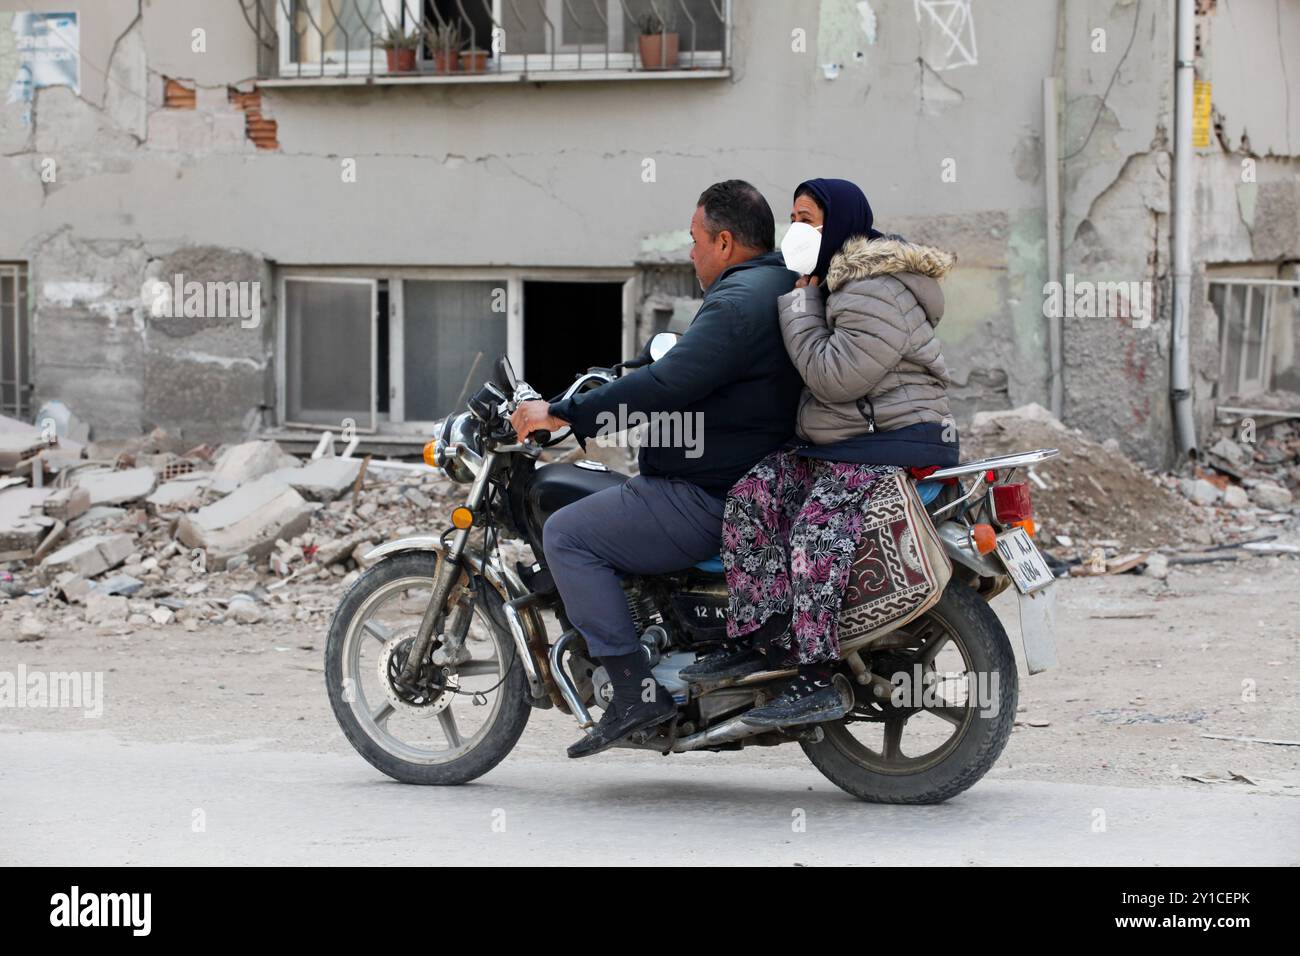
[(1247, 195), (1116, 159), (948, 151)]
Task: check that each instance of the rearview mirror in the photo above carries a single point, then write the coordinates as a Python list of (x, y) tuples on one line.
[(661, 344), (504, 376)]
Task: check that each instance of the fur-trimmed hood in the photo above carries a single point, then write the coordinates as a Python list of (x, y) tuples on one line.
[(916, 266)]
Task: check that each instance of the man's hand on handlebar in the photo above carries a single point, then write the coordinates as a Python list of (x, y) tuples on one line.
[(534, 416)]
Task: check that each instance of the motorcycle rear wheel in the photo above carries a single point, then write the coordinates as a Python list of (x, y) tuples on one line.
[(368, 715), (883, 772)]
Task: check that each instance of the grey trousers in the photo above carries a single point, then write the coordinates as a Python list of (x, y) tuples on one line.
[(643, 526)]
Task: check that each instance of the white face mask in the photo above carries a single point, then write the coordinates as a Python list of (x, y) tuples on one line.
[(801, 246)]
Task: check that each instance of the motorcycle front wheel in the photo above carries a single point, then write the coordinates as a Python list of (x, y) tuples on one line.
[(467, 715), (931, 733)]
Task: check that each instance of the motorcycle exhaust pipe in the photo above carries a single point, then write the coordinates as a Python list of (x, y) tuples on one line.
[(724, 733)]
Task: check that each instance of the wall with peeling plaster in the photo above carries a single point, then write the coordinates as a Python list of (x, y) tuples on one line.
[(550, 175)]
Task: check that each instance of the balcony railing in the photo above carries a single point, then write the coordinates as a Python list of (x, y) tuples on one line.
[(472, 40)]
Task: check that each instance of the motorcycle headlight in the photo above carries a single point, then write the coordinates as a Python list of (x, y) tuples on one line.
[(462, 430)]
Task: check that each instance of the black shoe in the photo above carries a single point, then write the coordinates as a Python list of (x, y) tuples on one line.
[(804, 701), (620, 722), (730, 660)]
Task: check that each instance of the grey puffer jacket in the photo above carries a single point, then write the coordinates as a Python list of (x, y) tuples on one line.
[(866, 348)]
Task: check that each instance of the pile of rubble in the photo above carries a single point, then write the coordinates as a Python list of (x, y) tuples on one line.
[(1097, 512), (150, 535)]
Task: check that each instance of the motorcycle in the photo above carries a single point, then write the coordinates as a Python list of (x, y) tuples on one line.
[(438, 653)]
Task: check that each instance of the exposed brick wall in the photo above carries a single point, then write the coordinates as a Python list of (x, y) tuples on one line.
[(260, 130), (178, 96)]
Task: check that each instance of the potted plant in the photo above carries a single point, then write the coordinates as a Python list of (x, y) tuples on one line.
[(473, 60), (445, 39), (400, 47), (658, 42)]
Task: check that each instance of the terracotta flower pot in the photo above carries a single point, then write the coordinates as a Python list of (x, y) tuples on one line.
[(444, 61), (400, 61), (473, 61), (658, 51)]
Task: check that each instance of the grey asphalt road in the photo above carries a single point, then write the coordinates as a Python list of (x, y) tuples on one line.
[(93, 798)]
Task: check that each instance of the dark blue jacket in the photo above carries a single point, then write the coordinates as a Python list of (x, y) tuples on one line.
[(730, 368)]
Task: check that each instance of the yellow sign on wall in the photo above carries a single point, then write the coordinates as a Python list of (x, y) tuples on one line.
[(1201, 114)]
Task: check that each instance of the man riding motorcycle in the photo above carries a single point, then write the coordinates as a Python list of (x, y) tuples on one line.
[(730, 370)]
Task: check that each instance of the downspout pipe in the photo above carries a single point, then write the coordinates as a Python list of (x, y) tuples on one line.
[(1180, 372)]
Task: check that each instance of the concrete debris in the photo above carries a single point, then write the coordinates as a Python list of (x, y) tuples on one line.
[(89, 557), (101, 514), (102, 609), (18, 445), (1199, 491), (67, 504), (1090, 492), (123, 584), (23, 525), (249, 534), (180, 494), (1157, 566), (31, 628), (252, 460), (1272, 496), (117, 487), (324, 479), (245, 522)]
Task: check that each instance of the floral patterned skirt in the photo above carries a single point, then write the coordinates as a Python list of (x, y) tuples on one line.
[(789, 535)]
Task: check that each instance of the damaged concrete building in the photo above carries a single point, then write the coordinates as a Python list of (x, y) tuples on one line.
[(270, 217)]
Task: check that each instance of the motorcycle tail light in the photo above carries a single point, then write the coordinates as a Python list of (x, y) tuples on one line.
[(1011, 504)]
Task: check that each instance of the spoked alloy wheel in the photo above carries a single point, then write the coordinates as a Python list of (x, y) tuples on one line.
[(935, 732), (459, 718)]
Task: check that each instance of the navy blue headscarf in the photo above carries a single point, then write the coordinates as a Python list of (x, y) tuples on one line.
[(847, 214)]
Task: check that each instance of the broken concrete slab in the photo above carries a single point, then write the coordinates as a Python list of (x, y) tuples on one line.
[(323, 479), (15, 446), (90, 556), (252, 460), (179, 494), (65, 504), (94, 516), (245, 522), (22, 524), (118, 487)]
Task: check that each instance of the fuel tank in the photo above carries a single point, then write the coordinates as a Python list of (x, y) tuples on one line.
[(554, 486)]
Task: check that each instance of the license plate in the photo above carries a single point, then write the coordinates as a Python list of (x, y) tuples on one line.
[(1023, 561)]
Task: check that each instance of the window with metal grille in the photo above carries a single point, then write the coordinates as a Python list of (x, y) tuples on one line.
[(15, 343), (1256, 330)]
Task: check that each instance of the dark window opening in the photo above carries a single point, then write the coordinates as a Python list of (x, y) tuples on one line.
[(568, 328)]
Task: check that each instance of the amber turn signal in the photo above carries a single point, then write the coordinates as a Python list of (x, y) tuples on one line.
[(984, 537), (462, 518), (1027, 524), (431, 454)]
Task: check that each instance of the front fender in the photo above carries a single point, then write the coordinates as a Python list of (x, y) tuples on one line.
[(507, 584)]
